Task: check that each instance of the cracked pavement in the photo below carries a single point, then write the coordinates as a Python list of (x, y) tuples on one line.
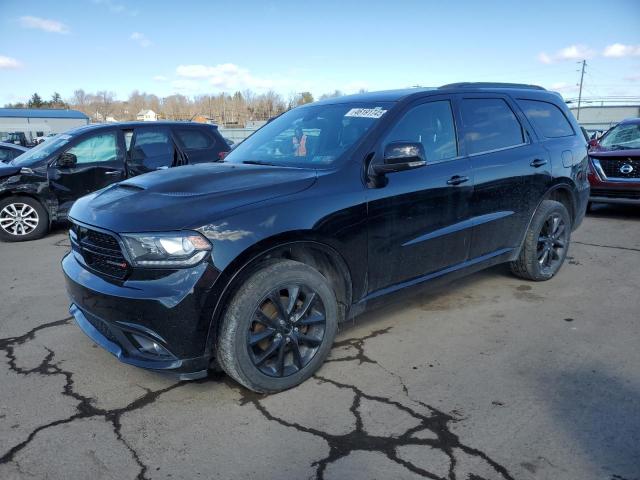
[(489, 378)]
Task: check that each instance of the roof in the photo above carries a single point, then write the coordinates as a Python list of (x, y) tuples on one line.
[(403, 94), (145, 112), (41, 113), (98, 126)]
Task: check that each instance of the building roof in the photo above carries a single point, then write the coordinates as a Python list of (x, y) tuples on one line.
[(145, 112), (41, 113)]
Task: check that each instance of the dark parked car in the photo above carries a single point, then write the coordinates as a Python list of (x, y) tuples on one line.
[(40, 186), (9, 151), (615, 165), (252, 263)]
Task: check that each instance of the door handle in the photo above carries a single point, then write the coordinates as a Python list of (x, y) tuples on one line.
[(457, 180), (538, 162), (113, 172)]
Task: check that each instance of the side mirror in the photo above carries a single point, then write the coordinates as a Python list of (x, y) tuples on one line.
[(67, 160), (399, 156)]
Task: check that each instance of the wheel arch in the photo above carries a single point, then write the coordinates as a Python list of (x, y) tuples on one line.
[(303, 246), (11, 193)]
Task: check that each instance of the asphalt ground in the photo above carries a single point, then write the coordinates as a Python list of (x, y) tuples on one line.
[(491, 377)]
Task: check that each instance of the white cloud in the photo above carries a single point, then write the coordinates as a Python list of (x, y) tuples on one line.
[(620, 50), (227, 76), (572, 52), (44, 24), (9, 62), (142, 39), (160, 78)]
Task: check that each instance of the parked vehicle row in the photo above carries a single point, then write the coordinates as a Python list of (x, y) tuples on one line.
[(250, 264), (39, 187)]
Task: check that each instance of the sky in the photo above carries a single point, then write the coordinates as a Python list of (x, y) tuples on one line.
[(208, 47)]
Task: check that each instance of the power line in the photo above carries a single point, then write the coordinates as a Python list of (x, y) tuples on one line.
[(584, 64)]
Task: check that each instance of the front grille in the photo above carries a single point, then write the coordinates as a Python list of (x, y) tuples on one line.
[(101, 251), (101, 327), (602, 192), (611, 167)]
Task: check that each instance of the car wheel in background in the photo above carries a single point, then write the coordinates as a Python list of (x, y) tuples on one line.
[(21, 219), (278, 328), (546, 243)]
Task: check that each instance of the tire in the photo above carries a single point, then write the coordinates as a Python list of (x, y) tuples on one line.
[(253, 313), (533, 263), (32, 223)]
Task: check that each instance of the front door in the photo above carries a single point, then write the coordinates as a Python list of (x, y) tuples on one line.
[(418, 221), (99, 162)]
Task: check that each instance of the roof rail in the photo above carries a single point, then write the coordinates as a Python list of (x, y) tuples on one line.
[(491, 85)]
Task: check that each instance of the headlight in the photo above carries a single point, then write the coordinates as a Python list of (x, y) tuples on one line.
[(168, 250)]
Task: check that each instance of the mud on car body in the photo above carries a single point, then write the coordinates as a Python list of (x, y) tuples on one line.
[(38, 187), (251, 264)]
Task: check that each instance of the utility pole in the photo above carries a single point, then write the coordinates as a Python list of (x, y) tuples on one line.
[(584, 64)]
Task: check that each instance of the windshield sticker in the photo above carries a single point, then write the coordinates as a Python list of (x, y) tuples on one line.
[(365, 112)]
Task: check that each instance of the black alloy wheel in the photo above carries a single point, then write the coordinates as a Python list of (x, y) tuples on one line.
[(552, 243), (286, 331)]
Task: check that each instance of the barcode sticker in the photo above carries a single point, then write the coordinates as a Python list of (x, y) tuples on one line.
[(376, 112)]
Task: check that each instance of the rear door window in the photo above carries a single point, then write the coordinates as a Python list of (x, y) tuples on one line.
[(195, 138), (489, 124), (547, 118), (151, 149)]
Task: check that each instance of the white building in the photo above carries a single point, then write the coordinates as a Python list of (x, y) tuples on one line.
[(603, 117), (147, 116), (37, 122)]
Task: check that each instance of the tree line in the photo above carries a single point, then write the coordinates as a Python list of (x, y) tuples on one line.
[(223, 109)]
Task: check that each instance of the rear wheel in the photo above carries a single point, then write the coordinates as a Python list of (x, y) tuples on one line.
[(22, 218), (546, 243), (279, 327)]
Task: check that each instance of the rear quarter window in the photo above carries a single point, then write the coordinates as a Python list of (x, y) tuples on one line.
[(548, 119), (195, 139)]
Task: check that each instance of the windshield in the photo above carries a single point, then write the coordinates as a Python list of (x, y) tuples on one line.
[(313, 136), (622, 137), (41, 151)]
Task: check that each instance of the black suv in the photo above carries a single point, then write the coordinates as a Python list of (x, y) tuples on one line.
[(40, 186), (251, 264)]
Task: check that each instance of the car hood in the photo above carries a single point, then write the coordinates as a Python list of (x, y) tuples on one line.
[(187, 196), (601, 152)]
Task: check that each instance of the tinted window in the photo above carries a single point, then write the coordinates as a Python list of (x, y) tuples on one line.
[(547, 118), (489, 124), (430, 124), (99, 148), (6, 154), (152, 149), (195, 139)]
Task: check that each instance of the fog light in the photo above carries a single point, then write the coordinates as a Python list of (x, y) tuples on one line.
[(147, 345)]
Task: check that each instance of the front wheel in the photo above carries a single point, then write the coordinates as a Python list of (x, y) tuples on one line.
[(546, 243), (21, 219), (278, 328)]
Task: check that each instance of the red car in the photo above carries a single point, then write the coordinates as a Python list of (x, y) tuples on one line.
[(614, 167)]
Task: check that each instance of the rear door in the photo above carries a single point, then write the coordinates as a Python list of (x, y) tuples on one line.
[(150, 148), (510, 170), (99, 162), (200, 143)]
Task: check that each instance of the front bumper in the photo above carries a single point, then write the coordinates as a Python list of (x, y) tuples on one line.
[(606, 190), (170, 311)]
